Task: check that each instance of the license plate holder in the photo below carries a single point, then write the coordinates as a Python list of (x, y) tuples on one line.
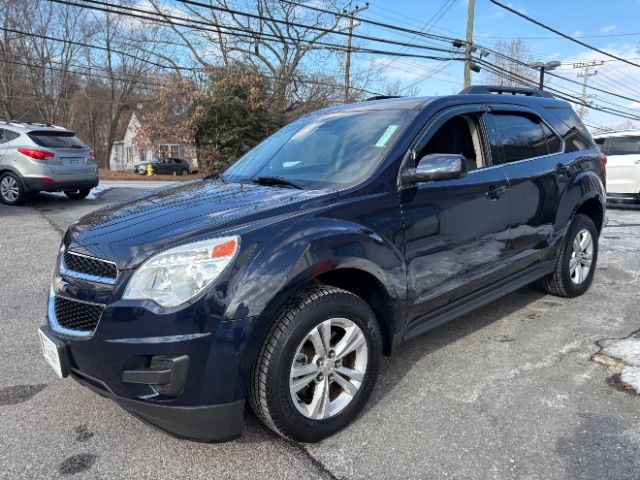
[(54, 352)]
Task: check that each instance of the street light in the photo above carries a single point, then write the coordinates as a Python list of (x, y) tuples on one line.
[(545, 67)]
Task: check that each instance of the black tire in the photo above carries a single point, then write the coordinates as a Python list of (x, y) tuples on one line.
[(77, 194), (184, 172), (11, 189), (559, 282), (270, 395)]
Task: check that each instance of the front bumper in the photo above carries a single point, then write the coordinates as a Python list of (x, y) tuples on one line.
[(209, 423), (209, 403)]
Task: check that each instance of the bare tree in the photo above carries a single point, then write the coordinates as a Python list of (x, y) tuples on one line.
[(277, 43), (511, 73)]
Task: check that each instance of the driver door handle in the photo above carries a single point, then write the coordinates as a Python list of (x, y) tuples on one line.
[(495, 192)]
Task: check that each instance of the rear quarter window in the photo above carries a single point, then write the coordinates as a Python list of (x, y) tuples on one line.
[(571, 129), (55, 139)]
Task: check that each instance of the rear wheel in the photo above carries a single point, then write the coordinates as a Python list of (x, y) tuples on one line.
[(318, 365), (11, 190), (577, 261), (77, 194)]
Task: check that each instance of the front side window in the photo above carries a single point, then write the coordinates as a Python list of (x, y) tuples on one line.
[(623, 145), (521, 136), (458, 135), (325, 150)]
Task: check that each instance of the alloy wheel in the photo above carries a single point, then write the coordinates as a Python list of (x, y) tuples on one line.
[(581, 257), (9, 189), (328, 368)]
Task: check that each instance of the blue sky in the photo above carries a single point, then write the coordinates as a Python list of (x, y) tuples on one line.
[(587, 18)]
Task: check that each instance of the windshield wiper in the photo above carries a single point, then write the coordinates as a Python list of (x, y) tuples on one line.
[(275, 181)]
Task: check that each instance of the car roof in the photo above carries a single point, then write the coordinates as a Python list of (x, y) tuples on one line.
[(419, 103), (618, 133), (31, 126)]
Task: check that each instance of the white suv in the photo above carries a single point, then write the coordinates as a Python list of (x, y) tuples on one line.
[(37, 157), (623, 166)]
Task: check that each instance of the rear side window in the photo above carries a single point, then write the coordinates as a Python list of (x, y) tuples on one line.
[(571, 129), (521, 137), (7, 135), (623, 145), (54, 139)]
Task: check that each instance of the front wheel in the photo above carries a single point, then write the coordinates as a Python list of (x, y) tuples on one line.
[(317, 366), (77, 194), (576, 263)]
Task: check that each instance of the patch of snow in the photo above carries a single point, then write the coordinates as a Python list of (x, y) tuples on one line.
[(95, 192), (631, 376), (627, 350)]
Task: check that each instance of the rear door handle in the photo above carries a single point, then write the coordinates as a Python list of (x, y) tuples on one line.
[(495, 192)]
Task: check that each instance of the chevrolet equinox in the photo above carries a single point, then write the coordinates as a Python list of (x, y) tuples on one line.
[(281, 281)]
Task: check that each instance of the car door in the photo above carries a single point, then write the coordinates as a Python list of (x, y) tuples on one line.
[(3, 142), (456, 231), (623, 164), (530, 152), (162, 167)]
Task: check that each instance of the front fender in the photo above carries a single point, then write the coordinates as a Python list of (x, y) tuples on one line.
[(290, 256)]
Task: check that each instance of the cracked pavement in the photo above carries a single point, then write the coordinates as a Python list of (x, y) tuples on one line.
[(510, 391)]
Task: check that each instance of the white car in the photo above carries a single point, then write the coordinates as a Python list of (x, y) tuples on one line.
[(623, 163)]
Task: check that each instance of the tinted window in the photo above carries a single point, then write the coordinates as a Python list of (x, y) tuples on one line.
[(52, 139), (573, 132), (328, 149), (623, 145), (521, 136), (554, 144), (7, 135)]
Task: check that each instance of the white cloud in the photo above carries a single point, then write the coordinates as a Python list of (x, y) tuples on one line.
[(607, 29), (577, 33)]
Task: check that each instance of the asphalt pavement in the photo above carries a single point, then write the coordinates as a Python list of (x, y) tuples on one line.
[(511, 391)]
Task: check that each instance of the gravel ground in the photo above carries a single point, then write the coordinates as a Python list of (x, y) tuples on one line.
[(520, 389)]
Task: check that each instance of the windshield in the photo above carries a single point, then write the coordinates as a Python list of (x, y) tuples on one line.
[(324, 151)]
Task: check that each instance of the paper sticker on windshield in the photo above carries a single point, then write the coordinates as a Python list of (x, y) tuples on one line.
[(386, 136)]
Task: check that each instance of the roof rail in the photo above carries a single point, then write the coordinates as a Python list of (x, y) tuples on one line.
[(502, 90), (382, 97)]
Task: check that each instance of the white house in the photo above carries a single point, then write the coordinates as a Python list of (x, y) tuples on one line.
[(125, 153)]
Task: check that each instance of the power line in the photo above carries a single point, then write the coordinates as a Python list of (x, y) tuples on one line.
[(87, 45), (302, 25), (72, 72), (504, 73), (563, 35), (170, 20)]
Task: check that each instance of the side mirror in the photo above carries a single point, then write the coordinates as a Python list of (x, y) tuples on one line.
[(436, 166)]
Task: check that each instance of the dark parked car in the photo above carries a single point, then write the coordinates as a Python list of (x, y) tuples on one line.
[(282, 281), (165, 166)]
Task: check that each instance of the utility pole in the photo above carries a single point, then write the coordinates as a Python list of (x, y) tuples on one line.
[(347, 64), (468, 50), (585, 74)]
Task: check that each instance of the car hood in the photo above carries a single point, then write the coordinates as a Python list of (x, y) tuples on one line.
[(130, 231)]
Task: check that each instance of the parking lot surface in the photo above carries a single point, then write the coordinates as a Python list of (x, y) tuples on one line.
[(515, 390)]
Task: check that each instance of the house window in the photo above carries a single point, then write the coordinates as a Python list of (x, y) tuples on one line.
[(129, 154), (143, 156), (171, 150)]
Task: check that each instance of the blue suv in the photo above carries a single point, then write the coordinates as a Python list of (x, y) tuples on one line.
[(280, 282)]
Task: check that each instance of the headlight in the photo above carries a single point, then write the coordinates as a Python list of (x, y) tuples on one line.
[(174, 276)]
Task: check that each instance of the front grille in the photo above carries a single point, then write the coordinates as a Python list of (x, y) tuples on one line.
[(74, 315), (89, 265)]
